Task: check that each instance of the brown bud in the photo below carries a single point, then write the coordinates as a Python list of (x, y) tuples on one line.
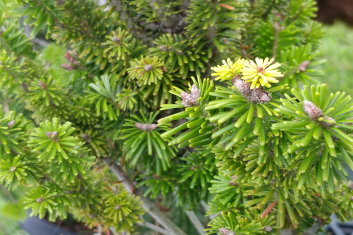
[(71, 61), (68, 66), (191, 99), (225, 231), (11, 123), (39, 200), (145, 126), (241, 85), (256, 95), (116, 39), (328, 122), (233, 181), (86, 137), (314, 113), (268, 228), (42, 84), (164, 48), (68, 56), (148, 67), (304, 65), (52, 134)]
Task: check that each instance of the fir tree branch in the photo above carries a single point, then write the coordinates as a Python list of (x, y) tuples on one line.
[(40, 42), (154, 227), (159, 216), (147, 205), (117, 171), (205, 206), (206, 209), (196, 222)]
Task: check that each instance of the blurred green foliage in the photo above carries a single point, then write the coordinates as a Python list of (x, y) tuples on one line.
[(13, 210), (10, 214), (337, 48)]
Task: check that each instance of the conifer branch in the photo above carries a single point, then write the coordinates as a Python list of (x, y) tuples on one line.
[(119, 173), (206, 209), (205, 206), (154, 227), (147, 205), (40, 42), (160, 217), (259, 125), (196, 222)]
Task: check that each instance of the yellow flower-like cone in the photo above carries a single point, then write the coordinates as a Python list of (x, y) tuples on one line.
[(261, 72), (228, 70)]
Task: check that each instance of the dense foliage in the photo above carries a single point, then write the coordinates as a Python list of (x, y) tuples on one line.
[(173, 116)]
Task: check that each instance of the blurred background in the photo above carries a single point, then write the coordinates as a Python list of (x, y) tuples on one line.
[(337, 44), (336, 50)]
